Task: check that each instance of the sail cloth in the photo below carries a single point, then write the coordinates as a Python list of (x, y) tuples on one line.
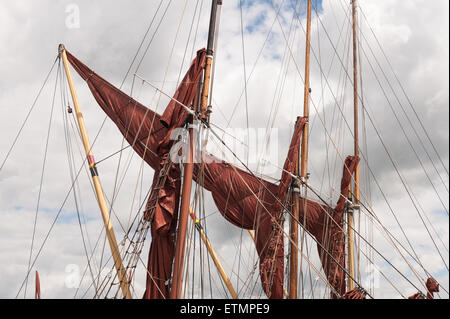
[(356, 293), (252, 203), (432, 288), (149, 133), (326, 224), (243, 199)]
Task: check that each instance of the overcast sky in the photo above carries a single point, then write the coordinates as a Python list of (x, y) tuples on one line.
[(105, 35)]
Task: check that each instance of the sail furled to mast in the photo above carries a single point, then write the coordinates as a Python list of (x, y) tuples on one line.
[(149, 135), (253, 203), (243, 199), (326, 224)]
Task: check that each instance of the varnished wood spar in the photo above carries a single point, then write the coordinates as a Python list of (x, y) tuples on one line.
[(293, 233), (305, 135), (205, 92), (121, 273), (351, 248), (177, 275), (209, 59), (293, 267), (214, 257)]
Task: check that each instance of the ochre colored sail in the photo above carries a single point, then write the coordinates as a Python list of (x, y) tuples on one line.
[(242, 198)]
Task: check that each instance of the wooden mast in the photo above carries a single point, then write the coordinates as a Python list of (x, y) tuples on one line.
[(177, 275), (351, 249), (121, 273), (293, 273)]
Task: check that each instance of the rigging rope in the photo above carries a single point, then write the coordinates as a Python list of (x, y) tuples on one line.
[(370, 118), (28, 115), (44, 161), (406, 95)]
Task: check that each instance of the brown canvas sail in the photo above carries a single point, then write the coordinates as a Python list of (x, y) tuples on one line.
[(243, 199), (148, 133), (327, 226), (252, 203)]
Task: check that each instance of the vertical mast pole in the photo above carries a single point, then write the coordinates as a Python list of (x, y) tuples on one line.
[(177, 276), (205, 109), (293, 274), (121, 273), (351, 249)]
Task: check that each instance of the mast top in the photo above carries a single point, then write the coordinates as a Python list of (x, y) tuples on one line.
[(61, 48)]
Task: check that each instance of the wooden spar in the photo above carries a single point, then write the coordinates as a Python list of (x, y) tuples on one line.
[(293, 233), (213, 255), (350, 235), (305, 135), (177, 275), (293, 273), (121, 273)]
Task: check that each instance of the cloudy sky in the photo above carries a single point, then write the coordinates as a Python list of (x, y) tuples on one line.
[(405, 182)]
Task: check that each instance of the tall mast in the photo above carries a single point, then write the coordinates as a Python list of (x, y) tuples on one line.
[(205, 109), (293, 273), (177, 276), (351, 258), (121, 273)]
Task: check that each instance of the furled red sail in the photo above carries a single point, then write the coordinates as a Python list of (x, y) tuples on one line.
[(253, 203), (149, 133), (327, 226), (432, 288), (243, 199), (356, 293)]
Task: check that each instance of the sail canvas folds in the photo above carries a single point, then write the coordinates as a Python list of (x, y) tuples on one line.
[(326, 224), (243, 199), (149, 133), (253, 203)]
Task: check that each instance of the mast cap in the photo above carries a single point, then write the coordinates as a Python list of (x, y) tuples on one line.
[(61, 48)]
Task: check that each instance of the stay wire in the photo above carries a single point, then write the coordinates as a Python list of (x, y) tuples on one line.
[(29, 113), (245, 70), (376, 130), (415, 152), (405, 94), (398, 119), (42, 176), (71, 164), (406, 186)]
